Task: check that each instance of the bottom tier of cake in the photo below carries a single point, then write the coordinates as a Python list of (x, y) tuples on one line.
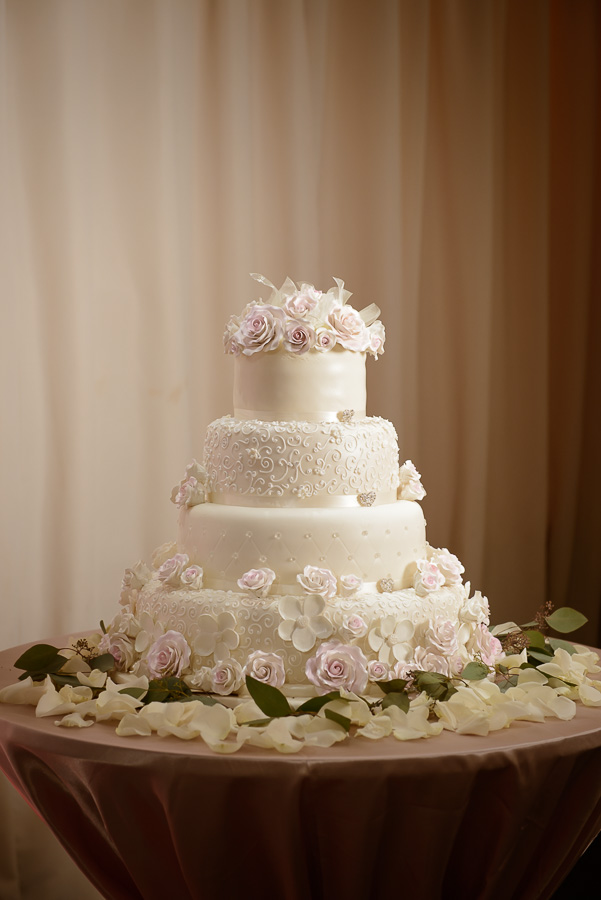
[(214, 638)]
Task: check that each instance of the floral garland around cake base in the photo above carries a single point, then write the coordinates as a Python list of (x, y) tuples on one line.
[(537, 677)]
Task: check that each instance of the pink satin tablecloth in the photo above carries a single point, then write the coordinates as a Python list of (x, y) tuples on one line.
[(504, 816)]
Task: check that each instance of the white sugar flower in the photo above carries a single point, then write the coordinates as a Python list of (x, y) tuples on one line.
[(391, 638), (318, 581), (474, 609), (427, 578), (217, 636), (189, 492), (266, 667), (303, 622), (191, 578), (410, 485), (377, 337), (449, 565), (134, 579), (349, 328)]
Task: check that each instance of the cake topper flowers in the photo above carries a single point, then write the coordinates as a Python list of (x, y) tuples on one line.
[(302, 318)]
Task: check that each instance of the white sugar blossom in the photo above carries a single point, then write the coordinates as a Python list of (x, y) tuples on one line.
[(258, 581), (427, 578), (439, 635), (410, 485), (217, 635), (266, 667), (377, 337), (171, 570), (426, 660), (303, 622), (200, 679), (189, 492), (227, 676), (318, 581), (336, 666), (391, 639)]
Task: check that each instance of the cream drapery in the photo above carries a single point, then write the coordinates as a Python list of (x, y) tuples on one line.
[(441, 157)]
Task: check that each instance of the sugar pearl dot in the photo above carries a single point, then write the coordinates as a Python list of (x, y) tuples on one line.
[(334, 534), (262, 559), (322, 558), (277, 535), (377, 556), (364, 533), (387, 531), (307, 535), (234, 556), (291, 559), (249, 534)]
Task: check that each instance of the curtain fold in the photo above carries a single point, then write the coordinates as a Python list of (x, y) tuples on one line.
[(442, 158)]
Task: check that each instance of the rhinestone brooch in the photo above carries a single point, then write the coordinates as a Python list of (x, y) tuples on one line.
[(346, 415), (367, 499), (385, 585)]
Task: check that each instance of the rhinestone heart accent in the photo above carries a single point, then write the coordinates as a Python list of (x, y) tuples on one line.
[(367, 499), (346, 415), (385, 585)]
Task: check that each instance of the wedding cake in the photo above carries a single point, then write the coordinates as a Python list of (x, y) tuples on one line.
[(301, 556)]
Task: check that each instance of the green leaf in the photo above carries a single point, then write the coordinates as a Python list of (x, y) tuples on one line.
[(396, 698), (256, 723), (315, 703), (448, 692), (206, 699), (511, 682), (503, 669), (539, 655), (558, 644), (394, 686), (475, 671), (269, 700), (340, 720), (136, 692), (155, 695), (102, 627), (37, 658), (105, 662), (536, 638), (65, 679), (566, 619)]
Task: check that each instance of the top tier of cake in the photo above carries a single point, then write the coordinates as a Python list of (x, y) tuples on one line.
[(300, 357)]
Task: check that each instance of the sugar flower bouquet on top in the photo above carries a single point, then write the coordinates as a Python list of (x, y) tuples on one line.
[(534, 676), (302, 318)]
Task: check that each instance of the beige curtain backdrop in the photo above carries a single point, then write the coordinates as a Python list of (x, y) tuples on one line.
[(441, 157)]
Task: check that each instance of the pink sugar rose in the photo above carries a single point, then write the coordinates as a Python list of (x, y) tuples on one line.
[(350, 584), (318, 581), (170, 571), (337, 666), (427, 578), (121, 647), (379, 671), (428, 661), (440, 636), (227, 676), (349, 328), (298, 337), (354, 626), (449, 565), (230, 342), (169, 655), (266, 667), (376, 338), (257, 580), (302, 303), (261, 329), (325, 339), (192, 577), (487, 645)]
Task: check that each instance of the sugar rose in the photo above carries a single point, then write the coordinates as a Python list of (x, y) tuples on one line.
[(350, 584), (298, 337), (349, 328), (227, 676), (303, 302), (428, 577), (169, 655), (337, 666), (318, 581), (266, 667), (192, 577), (379, 671), (261, 329), (170, 571), (258, 581), (486, 645), (121, 648), (449, 565), (325, 339)]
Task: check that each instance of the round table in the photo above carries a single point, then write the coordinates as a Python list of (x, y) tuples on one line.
[(453, 816)]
